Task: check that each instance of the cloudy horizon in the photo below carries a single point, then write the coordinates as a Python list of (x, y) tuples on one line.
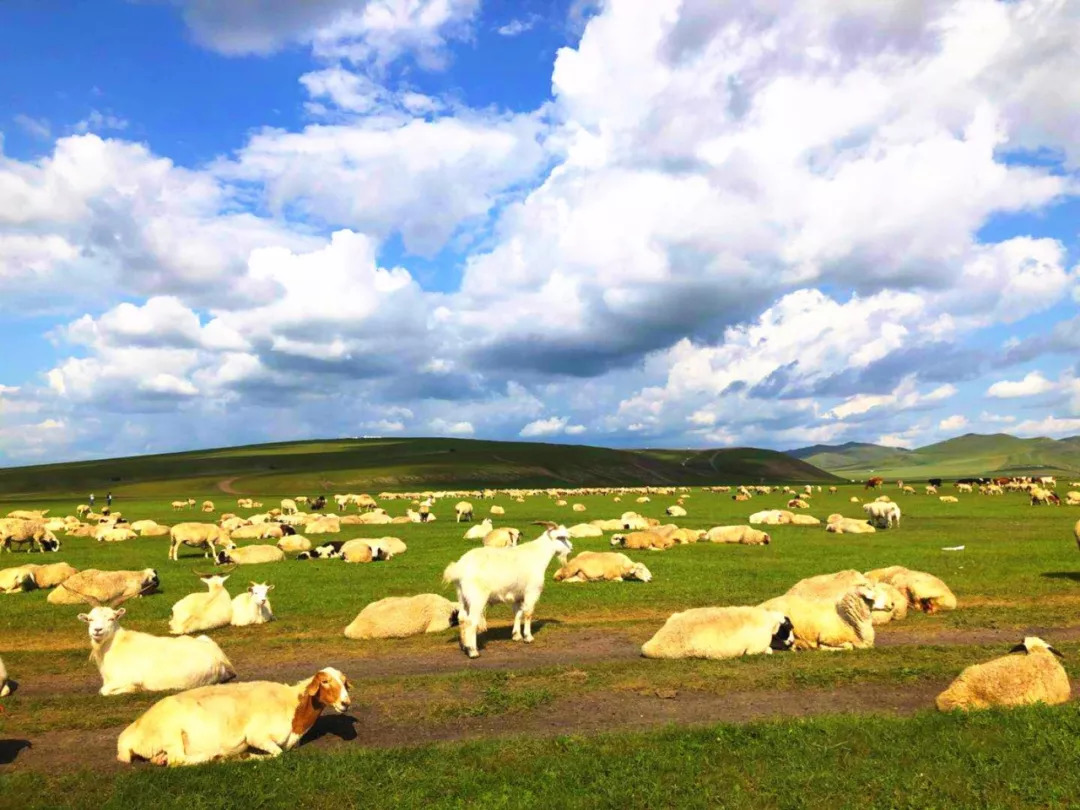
[(631, 223)]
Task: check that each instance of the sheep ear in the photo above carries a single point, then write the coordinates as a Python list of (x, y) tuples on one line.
[(1055, 652), (1018, 648)]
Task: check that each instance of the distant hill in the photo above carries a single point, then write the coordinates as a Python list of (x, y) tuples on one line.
[(375, 464), (969, 455)]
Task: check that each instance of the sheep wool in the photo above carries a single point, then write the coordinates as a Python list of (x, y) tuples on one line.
[(1034, 675), (401, 616), (720, 632)]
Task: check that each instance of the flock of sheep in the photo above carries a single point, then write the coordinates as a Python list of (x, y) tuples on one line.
[(212, 719)]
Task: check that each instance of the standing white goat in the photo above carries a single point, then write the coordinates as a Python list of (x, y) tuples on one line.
[(488, 575), (139, 662), (203, 611), (253, 606)]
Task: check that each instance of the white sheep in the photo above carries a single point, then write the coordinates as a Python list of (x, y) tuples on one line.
[(294, 544), (923, 591), (744, 535), (1012, 680), (516, 575), (93, 586), (882, 515), (675, 511), (230, 720), (401, 616), (250, 555), (252, 606), (463, 511), (720, 632), (203, 611), (196, 535), (597, 566), (844, 624), (585, 530), (502, 537), (479, 530)]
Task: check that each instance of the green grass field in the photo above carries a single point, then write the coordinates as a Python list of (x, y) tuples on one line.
[(1020, 570)]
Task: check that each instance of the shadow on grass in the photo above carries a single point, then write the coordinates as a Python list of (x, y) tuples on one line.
[(10, 750), (1070, 575), (503, 632), (342, 726)]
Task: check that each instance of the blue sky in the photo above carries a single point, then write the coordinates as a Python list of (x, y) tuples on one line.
[(632, 222)]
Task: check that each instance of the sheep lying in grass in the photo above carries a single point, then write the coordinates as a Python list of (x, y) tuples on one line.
[(502, 537), (91, 585), (838, 524), (229, 721), (610, 525), (479, 530), (772, 517), (720, 632), (596, 566), (250, 555), (17, 580), (107, 534), (497, 510), (650, 541), (675, 511), (1035, 676), (382, 548), (323, 525), (294, 544), (743, 535), (354, 551), (804, 520), (585, 530), (681, 535), (949, 499), (401, 616), (252, 606), (923, 591), (889, 604), (844, 624), (207, 610)]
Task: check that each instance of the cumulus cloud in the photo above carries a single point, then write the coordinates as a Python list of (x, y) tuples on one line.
[(551, 426), (443, 427), (952, 423), (1031, 385)]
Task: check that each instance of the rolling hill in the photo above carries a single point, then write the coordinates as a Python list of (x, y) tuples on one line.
[(969, 455), (312, 467)]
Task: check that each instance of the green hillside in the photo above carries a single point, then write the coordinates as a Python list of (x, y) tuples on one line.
[(376, 464), (968, 455)]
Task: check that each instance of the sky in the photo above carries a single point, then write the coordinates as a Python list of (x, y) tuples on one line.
[(662, 223)]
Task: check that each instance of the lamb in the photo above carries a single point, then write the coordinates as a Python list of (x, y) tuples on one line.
[(882, 515), (486, 575), (643, 540), (203, 611), (585, 530), (478, 531), (196, 535), (228, 721), (92, 585), (720, 632), (402, 616), (675, 511), (502, 537), (33, 533), (595, 566), (1012, 680), (924, 591), (252, 606), (844, 624), (130, 661), (294, 544), (463, 511), (250, 555), (744, 535)]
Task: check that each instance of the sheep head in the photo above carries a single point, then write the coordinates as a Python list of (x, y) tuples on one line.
[(783, 634), (1032, 644)]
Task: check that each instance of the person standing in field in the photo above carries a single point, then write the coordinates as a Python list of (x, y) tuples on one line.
[(91, 500), (108, 499)]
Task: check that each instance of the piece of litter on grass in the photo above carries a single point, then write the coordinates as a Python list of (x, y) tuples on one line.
[(952, 548)]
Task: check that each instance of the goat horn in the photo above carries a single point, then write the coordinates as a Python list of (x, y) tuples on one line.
[(550, 524), (89, 599), (115, 603)]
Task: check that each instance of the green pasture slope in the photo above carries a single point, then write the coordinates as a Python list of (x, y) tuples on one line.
[(969, 455), (1020, 572), (311, 467)]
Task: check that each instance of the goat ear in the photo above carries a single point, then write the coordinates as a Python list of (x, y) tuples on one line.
[(313, 686), (84, 617), (1018, 648), (121, 612), (269, 587)]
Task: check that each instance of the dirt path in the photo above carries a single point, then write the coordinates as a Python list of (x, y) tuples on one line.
[(226, 486)]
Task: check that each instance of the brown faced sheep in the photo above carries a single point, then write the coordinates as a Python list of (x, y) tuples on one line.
[(1033, 676), (597, 566)]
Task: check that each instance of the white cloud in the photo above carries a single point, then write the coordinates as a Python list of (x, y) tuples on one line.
[(955, 422), (37, 127), (1032, 384), (448, 428), (1048, 426), (551, 426), (98, 121), (517, 27)]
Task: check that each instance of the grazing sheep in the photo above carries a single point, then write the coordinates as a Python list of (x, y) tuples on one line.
[(479, 530), (844, 624), (1012, 680), (643, 540), (463, 511), (252, 606), (585, 530), (596, 566), (228, 721), (130, 661), (502, 537), (249, 555), (720, 632), (91, 585), (486, 575), (196, 535), (288, 506), (675, 511), (743, 535), (402, 616), (30, 532), (203, 611), (882, 515), (924, 591), (294, 544)]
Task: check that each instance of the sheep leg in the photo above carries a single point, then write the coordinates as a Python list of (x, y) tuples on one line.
[(528, 625), (518, 610)]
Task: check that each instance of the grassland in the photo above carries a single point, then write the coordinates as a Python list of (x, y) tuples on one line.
[(426, 716), (969, 455), (376, 464)]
